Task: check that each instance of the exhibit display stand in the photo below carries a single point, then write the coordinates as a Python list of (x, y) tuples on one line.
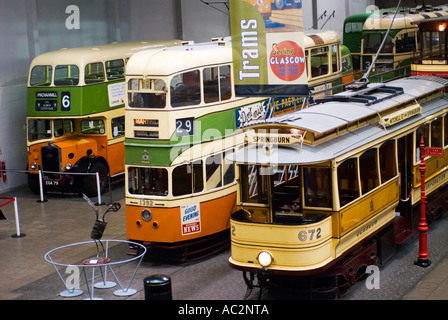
[(58, 258)]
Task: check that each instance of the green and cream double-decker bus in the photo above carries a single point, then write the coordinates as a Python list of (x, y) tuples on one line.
[(75, 116)]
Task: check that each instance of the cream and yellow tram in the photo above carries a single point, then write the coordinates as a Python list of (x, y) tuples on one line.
[(322, 189)]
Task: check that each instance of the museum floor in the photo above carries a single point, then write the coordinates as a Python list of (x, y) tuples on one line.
[(64, 220)]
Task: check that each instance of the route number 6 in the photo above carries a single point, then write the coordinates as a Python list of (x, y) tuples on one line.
[(65, 101)]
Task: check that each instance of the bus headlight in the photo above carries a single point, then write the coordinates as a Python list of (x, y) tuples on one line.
[(68, 166), (265, 259), (33, 165), (146, 214)]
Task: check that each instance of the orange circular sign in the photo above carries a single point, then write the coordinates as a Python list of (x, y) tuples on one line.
[(287, 60)]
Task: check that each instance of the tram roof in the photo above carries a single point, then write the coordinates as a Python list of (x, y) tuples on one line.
[(330, 115), (170, 60), (402, 20), (114, 50)]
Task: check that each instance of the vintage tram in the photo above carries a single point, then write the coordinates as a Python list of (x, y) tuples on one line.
[(326, 191)]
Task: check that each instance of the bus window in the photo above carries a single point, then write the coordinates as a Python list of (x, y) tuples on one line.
[(92, 127), (187, 179), (348, 182), (66, 75), (229, 170), (319, 62), (318, 187), (154, 99), (185, 89), (213, 172), (94, 73), (41, 76), (115, 69), (148, 181), (387, 161), (211, 84), (118, 127), (369, 170), (39, 129)]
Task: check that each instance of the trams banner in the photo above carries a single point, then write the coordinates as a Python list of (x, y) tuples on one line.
[(268, 48)]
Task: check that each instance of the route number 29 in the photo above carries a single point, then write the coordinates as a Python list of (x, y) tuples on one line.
[(310, 235), (184, 127)]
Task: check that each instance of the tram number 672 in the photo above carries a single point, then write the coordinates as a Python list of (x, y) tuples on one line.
[(310, 234)]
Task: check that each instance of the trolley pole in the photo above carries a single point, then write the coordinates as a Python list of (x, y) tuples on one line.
[(423, 255)]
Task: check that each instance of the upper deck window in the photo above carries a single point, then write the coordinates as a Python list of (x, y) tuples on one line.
[(353, 27), (186, 89), (94, 73), (41, 76), (147, 93), (115, 69), (216, 82), (66, 75)]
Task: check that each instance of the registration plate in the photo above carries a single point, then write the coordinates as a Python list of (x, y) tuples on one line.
[(51, 183)]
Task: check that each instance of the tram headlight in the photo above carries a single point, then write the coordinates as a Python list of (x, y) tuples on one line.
[(33, 165), (146, 214), (68, 166), (265, 258)]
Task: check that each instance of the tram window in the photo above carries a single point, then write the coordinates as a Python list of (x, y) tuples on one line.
[(347, 63), (115, 69), (185, 89), (436, 133), (348, 182), (254, 185), (224, 82), (188, 179), (41, 76), (388, 161), (318, 187), (94, 73), (319, 62), (93, 127), (422, 131), (213, 172), (369, 170), (148, 181), (118, 127), (445, 132), (66, 75), (405, 43), (373, 41), (39, 129)]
